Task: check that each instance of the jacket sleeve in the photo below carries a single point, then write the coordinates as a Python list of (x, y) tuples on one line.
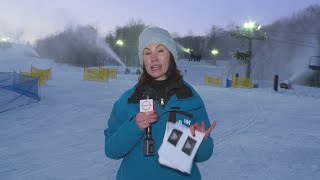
[(206, 147), (122, 133)]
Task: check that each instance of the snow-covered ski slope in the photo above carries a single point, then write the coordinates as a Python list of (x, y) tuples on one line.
[(260, 134)]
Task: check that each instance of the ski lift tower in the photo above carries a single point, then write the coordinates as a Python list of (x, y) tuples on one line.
[(248, 33)]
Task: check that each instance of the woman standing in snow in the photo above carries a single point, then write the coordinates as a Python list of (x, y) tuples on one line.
[(175, 100)]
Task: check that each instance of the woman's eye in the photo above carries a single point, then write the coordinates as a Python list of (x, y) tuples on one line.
[(146, 53), (160, 50)]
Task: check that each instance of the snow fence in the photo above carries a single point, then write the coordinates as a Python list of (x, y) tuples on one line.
[(17, 90)]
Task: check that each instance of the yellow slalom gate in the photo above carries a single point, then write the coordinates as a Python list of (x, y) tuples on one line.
[(41, 79), (112, 73), (213, 81), (43, 75), (100, 74), (238, 82), (47, 73)]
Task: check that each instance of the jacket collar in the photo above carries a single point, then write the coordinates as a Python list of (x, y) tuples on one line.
[(180, 89)]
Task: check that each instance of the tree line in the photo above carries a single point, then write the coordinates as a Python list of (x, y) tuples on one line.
[(287, 40)]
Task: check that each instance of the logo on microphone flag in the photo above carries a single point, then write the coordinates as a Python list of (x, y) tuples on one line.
[(146, 105)]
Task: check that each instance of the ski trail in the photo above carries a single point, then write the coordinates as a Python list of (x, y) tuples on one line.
[(253, 117)]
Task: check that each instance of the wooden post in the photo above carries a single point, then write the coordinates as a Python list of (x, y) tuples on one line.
[(275, 82)]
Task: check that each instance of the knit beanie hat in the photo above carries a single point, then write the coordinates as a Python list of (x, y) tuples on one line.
[(156, 35)]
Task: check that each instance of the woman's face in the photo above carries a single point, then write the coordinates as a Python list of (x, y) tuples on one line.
[(156, 59)]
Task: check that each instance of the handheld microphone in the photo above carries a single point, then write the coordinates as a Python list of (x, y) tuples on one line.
[(148, 143)]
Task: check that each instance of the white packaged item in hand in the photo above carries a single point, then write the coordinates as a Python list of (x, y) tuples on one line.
[(179, 147)]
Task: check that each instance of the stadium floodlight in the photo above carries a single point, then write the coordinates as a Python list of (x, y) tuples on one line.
[(249, 25), (4, 39), (214, 52), (119, 42), (188, 50)]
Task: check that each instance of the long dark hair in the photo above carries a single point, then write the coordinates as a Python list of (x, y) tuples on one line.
[(172, 74)]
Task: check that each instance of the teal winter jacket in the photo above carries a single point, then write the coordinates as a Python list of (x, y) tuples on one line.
[(124, 139)]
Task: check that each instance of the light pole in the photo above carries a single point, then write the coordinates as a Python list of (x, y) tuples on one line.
[(214, 52), (249, 28), (190, 52), (4, 42), (249, 34), (120, 43)]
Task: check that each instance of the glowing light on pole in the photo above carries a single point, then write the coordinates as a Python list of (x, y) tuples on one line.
[(249, 25), (119, 42), (4, 39), (188, 50), (121, 52), (214, 52)]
